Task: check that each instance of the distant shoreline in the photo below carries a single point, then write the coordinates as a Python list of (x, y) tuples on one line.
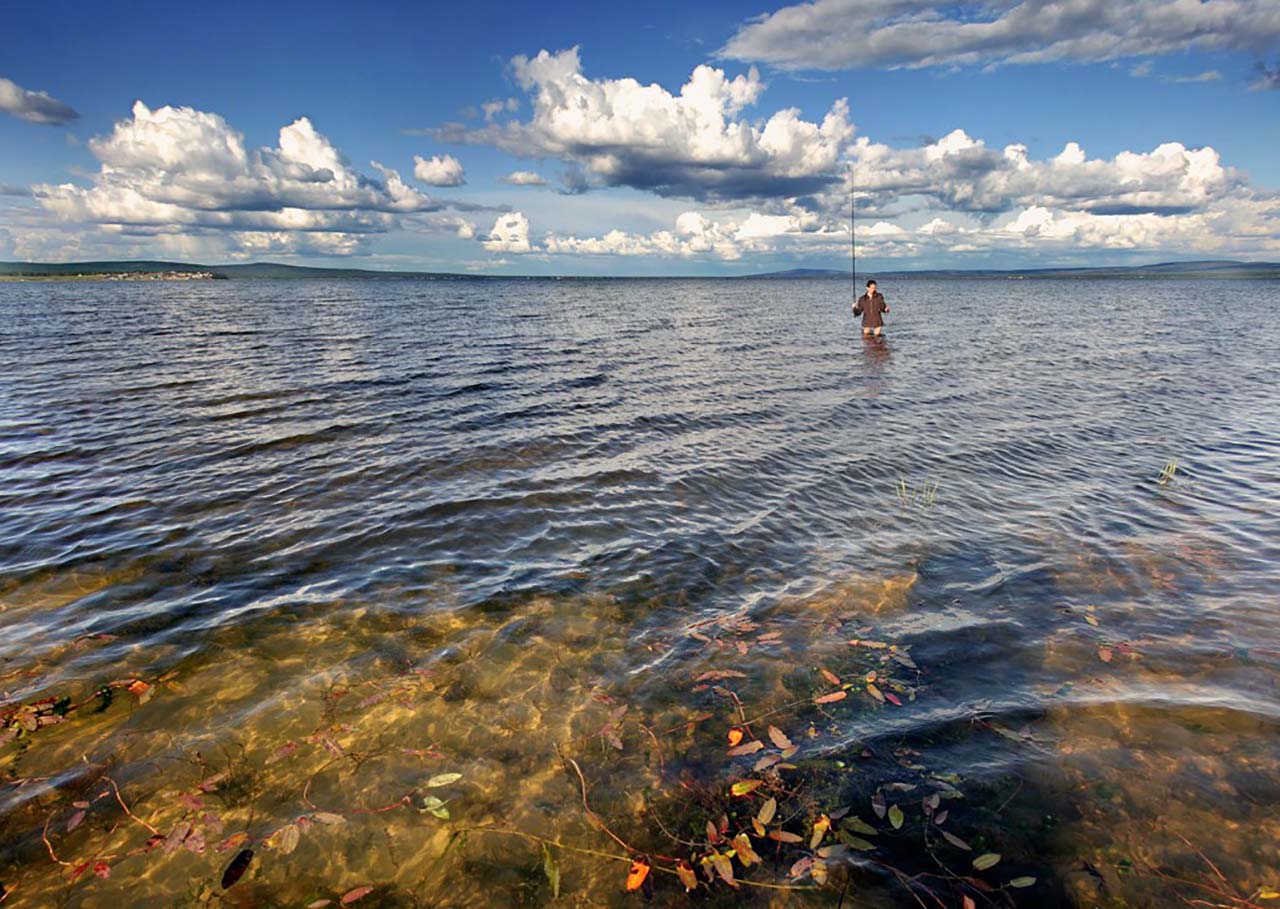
[(182, 271)]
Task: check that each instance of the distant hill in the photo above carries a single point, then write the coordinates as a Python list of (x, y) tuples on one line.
[(1205, 269)]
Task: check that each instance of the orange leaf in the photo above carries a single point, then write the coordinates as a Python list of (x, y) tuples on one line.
[(352, 895), (832, 697), (685, 872), (830, 676), (875, 692), (735, 736), (782, 836), (635, 877)]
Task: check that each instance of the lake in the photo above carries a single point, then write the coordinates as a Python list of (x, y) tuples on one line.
[(472, 593)]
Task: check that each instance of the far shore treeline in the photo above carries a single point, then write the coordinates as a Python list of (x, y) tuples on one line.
[(144, 270)]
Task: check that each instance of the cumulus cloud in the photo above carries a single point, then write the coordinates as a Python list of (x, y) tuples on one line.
[(34, 107), (439, 170), (498, 105), (510, 234), (523, 178), (618, 132), (961, 173), (856, 34), (179, 171)]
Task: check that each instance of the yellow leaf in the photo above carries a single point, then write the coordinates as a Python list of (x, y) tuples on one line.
[(746, 787), (820, 828), (735, 737), (767, 811)]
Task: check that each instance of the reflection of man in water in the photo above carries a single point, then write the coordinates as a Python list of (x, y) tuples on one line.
[(871, 306)]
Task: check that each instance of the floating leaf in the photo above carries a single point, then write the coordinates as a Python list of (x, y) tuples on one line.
[(735, 736), (441, 813), (232, 841), (801, 868), (685, 872), (746, 854), (783, 836), (443, 779), (1021, 882), (352, 895), (75, 820), (551, 868), (748, 748), (820, 828), (819, 872), (893, 698), (956, 841), (282, 752), (767, 811), (319, 904), (895, 817), (878, 805), (746, 787), (832, 697), (986, 860), (635, 877), (1091, 620), (875, 692), (236, 869), (713, 833), (830, 676), (1104, 654), (328, 818), (941, 817), (779, 738)]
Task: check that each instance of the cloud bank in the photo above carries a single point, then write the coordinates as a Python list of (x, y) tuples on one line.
[(860, 34)]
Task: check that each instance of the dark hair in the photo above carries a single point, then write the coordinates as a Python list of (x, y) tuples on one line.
[(870, 281)]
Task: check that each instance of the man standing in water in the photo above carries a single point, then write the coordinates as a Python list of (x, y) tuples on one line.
[(871, 306)]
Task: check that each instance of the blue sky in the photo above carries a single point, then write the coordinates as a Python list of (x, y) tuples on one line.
[(954, 136)]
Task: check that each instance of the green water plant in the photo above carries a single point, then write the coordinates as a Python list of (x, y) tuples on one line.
[(922, 496), (1168, 472)]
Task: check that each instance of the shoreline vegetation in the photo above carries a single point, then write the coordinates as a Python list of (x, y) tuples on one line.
[(180, 271)]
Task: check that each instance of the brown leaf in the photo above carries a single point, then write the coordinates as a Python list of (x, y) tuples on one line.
[(75, 821), (783, 836), (779, 738), (748, 748), (767, 811), (713, 833), (766, 762), (724, 868), (746, 854), (282, 752)]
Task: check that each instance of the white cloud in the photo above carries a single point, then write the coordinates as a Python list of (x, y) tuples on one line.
[(498, 105), (523, 178), (619, 132), (440, 170), (34, 107), (855, 34), (1267, 78), (510, 234), (1209, 75), (962, 173), (176, 170)]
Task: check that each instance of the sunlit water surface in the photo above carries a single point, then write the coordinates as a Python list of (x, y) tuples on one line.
[(324, 541)]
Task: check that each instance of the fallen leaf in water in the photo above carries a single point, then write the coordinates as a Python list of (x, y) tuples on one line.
[(855, 842), (319, 904), (176, 836), (286, 839), (713, 833), (895, 817), (878, 805), (832, 697), (443, 779), (232, 841), (892, 698), (717, 674), (724, 868), (749, 748), (820, 828), (955, 841), (1021, 882), (986, 860), (968, 903), (742, 848), (875, 692), (746, 787), (829, 676), (236, 869), (779, 738), (801, 868), (635, 877), (212, 782), (735, 736), (941, 817), (551, 868), (352, 895), (684, 871), (858, 825), (75, 820), (1104, 654), (282, 752), (766, 762), (783, 836), (102, 869), (1092, 620), (767, 811)]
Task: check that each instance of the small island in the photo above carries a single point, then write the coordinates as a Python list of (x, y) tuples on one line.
[(112, 276)]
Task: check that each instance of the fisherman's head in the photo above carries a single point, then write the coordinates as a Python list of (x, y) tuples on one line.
[(871, 286)]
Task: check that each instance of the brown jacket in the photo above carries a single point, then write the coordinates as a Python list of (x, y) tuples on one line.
[(870, 307)]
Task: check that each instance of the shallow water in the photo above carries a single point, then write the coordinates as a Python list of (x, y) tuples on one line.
[(324, 541)]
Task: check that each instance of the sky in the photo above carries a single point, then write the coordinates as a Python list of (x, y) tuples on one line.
[(642, 139)]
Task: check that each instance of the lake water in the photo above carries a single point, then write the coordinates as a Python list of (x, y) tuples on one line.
[(276, 554)]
